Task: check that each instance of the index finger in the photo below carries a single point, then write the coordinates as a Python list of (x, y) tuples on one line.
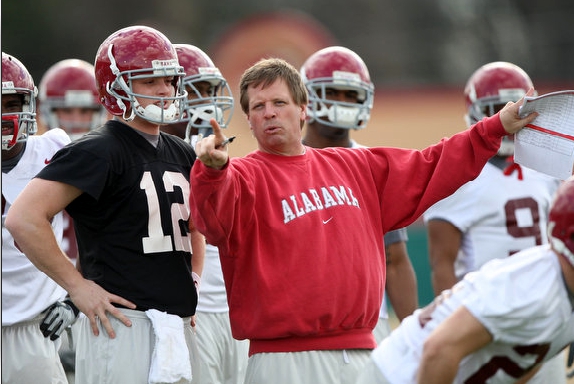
[(219, 137), (120, 300)]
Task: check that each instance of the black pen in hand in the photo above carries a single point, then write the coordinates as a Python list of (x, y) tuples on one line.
[(225, 142)]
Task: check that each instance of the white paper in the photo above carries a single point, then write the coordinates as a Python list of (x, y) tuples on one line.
[(547, 144)]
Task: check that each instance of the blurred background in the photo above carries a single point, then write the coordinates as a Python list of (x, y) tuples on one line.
[(419, 53)]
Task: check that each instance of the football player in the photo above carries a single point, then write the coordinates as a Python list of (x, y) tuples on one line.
[(27, 356), (502, 211), (68, 98), (125, 184), (208, 95), (498, 324)]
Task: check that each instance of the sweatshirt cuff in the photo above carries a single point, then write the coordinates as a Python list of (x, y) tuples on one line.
[(495, 126), (202, 171)]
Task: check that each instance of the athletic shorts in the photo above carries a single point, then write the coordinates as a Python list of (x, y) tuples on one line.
[(28, 356), (126, 359), (223, 358)]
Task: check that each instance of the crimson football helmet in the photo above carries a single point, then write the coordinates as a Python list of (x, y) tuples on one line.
[(138, 52), (488, 90), (18, 126), (341, 69), (200, 108), (561, 220), (70, 83)]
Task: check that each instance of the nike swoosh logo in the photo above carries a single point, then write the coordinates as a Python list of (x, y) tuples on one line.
[(47, 161), (329, 219)]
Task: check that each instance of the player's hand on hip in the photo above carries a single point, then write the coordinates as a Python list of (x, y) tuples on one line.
[(510, 118), (210, 150), (96, 303)]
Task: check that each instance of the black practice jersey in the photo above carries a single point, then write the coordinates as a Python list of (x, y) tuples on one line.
[(131, 220)]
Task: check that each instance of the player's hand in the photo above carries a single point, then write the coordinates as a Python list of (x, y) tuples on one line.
[(59, 316), (96, 303), (509, 115), (210, 150)]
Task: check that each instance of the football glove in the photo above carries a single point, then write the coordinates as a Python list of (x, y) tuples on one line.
[(59, 316)]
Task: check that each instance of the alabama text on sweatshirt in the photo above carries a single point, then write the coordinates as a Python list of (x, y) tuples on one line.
[(301, 237)]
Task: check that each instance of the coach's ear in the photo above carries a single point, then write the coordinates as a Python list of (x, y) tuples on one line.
[(303, 115)]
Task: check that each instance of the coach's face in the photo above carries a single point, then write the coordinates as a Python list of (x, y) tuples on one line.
[(275, 119)]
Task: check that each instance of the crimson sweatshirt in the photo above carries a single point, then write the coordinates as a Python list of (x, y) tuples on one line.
[(301, 237)]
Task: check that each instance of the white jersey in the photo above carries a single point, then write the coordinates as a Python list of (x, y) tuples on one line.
[(25, 290), (498, 215), (213, 297), (522, 301)]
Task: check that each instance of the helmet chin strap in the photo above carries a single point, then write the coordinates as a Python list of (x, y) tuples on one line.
[(132, 114), (119, 101), (122, 84)]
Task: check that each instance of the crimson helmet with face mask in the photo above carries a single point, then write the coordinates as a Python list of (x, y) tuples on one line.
[(16, 80), (70, 83), (201, 106), (561, 220), (138, 52), (488, 90), (338, 68)]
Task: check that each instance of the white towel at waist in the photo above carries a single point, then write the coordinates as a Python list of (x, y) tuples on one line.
[(170, 359)]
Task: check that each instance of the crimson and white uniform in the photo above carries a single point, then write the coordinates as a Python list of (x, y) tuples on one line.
[(498, 215), (25, 290), (522, 301), (27, 356)]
